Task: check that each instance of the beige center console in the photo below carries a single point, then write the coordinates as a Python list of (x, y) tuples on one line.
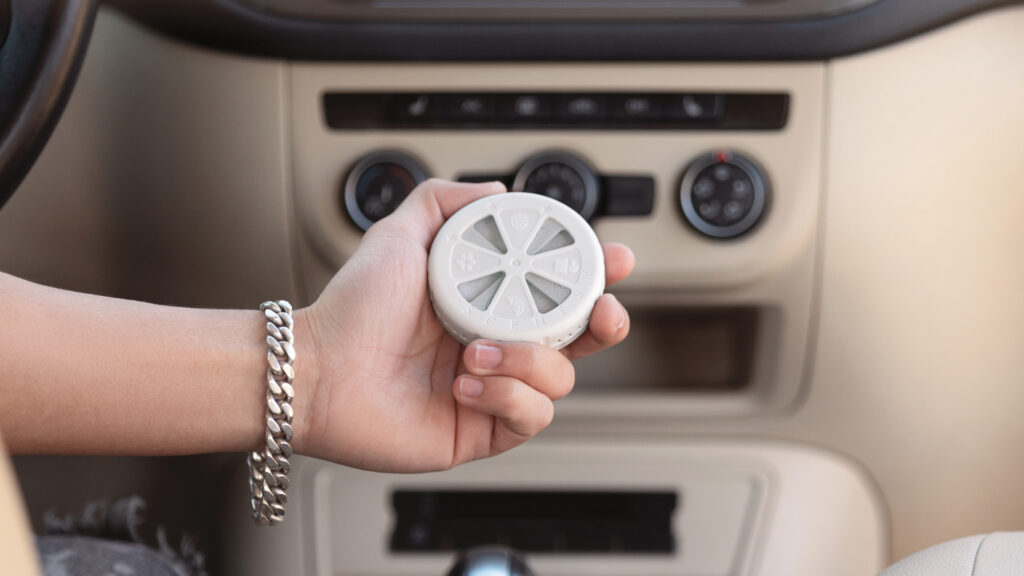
[(581, 509), (720, 325), (722, 313)]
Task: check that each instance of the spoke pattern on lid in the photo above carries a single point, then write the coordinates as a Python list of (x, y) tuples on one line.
[(480, 291), (550, 236), (539, 288), (486, 234), (547, 295)]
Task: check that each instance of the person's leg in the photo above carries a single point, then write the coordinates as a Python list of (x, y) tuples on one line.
[(87, 556), (104, 540)]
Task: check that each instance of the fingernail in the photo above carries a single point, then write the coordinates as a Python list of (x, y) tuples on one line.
[(622, 315), (470, 387), (487, 356), (498, 186)]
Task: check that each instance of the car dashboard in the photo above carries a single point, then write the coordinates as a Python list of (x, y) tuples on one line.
[(823, 200)]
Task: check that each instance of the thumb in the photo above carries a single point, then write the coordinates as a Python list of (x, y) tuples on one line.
[(422, 213)]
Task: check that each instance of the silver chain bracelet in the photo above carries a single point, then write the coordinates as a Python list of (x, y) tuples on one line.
[(269, 467)]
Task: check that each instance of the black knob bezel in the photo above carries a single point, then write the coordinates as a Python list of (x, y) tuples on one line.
[(402, 159), (761, 193), (591, 183)]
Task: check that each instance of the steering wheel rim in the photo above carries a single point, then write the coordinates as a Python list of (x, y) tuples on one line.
[(39, 61)]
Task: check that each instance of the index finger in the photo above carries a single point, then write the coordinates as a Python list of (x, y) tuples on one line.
[(425, 210)]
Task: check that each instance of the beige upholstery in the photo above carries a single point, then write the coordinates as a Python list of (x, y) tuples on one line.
[(16, 547), (996, 554)]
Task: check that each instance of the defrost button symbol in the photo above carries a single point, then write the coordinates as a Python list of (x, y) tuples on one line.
[(516, 267), (418, 107)]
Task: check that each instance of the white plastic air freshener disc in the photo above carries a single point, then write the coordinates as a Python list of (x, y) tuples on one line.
[(516, 267)]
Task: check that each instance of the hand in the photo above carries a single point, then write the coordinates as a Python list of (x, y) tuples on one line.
[(391, 390)]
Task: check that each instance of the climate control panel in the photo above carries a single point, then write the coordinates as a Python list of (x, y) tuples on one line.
[(710, 174), (723, 194)]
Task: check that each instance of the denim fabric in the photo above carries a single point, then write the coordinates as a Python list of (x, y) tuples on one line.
[(85, 556), (105, 539)]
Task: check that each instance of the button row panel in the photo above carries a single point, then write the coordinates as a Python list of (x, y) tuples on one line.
[(547, 110)]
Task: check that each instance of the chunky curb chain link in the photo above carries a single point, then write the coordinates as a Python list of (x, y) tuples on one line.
[(269, 468)]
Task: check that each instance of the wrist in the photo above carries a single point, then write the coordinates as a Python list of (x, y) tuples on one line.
[(308, 420)]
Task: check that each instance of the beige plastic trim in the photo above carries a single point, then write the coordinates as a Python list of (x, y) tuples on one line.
[(771, 268), (166, 179), (17, 551), (746, 508)]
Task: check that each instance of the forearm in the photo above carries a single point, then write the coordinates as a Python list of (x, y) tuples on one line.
[(85, 374)]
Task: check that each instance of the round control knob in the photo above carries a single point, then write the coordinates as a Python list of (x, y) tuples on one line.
[(378, 183), (561, 176), (723, 194), (516, 267)]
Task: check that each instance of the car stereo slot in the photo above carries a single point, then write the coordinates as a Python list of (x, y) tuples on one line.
[(534, 521), (555, 110)]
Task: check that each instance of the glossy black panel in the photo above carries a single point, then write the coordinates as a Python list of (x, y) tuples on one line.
[(227, 25), (572, 111)]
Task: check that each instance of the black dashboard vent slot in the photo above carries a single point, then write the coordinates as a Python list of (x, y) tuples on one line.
[(555, 110), (556, 522)]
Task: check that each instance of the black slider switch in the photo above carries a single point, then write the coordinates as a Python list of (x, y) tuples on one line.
[(628, 195)]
